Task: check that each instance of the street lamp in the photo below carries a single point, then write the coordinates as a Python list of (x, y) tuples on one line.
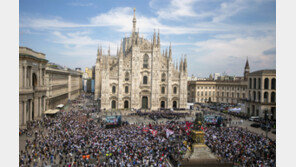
[(265, 117)]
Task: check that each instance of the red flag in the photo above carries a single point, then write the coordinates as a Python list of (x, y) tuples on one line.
[(150, 126)]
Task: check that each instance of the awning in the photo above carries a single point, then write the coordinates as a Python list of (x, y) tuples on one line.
[(54, 111), (60, 106)]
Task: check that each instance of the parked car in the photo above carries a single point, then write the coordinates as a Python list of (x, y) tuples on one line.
[(255, 125), (254, 118)]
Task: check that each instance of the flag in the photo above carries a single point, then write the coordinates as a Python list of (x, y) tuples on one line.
[(169, 132), (154, 132), (145, 129), (150, 126)]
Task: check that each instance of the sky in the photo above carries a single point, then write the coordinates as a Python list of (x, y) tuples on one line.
[(216, 35)]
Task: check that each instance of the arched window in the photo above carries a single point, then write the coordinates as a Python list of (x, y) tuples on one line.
[(201, 93), (259, 83), (163, 77), (232, 94), (250, 83), (255, 86), (272, 97), (259, 97), (163, 90), (175, 90), (273, 82), (145, 61), (126, 76), (206, 93), (266, 83), (265, 97), (237, 95), (145, 80), (113, 89), (34, 79), (126, 89), (254, 96)]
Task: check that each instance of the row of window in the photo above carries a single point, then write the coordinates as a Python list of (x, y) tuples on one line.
[(222, 87), (253, 83), (145, 78), (257, 97), (126, 89)]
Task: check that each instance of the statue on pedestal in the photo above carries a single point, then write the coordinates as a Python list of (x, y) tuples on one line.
[(197, 132)]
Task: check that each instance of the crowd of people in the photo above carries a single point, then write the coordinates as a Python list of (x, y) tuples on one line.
[(242, 147), (71, 138), (170, 115)]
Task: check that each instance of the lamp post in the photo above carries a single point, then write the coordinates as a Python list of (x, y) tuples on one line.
[(265, 117)]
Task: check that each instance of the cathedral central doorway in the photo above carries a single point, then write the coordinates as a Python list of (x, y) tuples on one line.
[(126, 104), (162, 104), (145, 102), (113, 105)]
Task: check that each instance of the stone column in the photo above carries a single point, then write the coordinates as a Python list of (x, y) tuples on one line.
[(40, 76), (20, 112), (25, 112), (40, 106), (25, 76), (31, 109), (44, 101), (20, 76)]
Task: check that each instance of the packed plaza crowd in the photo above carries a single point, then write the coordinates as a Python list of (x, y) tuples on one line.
[(155, 115), (72, 138), (240, 146)]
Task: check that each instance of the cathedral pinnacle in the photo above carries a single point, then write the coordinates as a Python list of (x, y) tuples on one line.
[(170, 51), (134, 23), (158, 39)]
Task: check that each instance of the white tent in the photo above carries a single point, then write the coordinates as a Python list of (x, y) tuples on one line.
[(54, 111), (60, 106)]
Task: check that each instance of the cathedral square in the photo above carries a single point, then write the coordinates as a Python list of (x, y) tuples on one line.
[(130, 88)]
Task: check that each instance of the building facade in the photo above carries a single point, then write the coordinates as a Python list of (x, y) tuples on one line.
[(32, 85), (62, 85), (140, 76), (43, 86), (224, 90), (262, 94)]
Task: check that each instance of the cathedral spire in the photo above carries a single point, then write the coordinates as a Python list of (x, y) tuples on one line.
[(181, 64), (185, 63), (170, 52), (154, 38), (134, 23), (109, 51), (158, 39), (166, 52)]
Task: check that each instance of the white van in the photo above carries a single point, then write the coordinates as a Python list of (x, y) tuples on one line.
[(254, 118)]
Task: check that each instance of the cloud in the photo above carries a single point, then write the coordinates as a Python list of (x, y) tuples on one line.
[(230, 55), (80, 44), (43, 23), (119, 19), (271, 51), (175, 10)]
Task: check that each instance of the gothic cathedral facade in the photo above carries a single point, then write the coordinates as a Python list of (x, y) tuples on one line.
[(140, 76)]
